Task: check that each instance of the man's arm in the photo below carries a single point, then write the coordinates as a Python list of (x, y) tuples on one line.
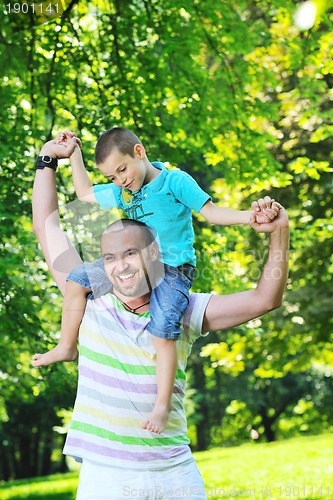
[(60, 254), (227, 311)]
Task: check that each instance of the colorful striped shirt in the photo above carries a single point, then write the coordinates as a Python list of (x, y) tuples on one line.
[(117, 388)]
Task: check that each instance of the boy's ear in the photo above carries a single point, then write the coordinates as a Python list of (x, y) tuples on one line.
[(140, 151)]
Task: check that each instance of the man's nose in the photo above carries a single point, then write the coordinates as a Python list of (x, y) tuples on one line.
[(122, 265)]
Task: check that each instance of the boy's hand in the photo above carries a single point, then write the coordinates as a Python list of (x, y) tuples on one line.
[(66, 137), (62, 146), (265, 210), (280, 222)]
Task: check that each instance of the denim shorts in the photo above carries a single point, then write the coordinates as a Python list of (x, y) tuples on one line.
[(91, 275), (168, 301)]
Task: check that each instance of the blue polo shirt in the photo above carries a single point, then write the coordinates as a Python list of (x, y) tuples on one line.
[(164, 204)]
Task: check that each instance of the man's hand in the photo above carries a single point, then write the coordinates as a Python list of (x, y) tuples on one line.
[(281, 221), (62, 146), (265, 209), (66, 137)]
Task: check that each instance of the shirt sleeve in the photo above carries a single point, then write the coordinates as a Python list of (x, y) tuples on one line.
[(107, 196), (187, 190), (194, 315)]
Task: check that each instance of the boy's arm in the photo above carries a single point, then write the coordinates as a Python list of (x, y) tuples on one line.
[(83, 185), (230, 310), (225, 216), (266, 209)]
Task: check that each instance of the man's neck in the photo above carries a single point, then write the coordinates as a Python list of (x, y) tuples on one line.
[(138, 305)]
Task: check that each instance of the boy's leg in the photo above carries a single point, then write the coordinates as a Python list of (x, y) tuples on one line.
[(166, 367), (74, 304), (168, 304)]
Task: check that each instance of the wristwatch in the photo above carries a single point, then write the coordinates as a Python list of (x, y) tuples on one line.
[(46, 161)]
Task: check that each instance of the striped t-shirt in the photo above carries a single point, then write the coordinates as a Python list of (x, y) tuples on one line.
[(117, 388)]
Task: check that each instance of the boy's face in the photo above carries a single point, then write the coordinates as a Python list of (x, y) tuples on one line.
[(125, 171)]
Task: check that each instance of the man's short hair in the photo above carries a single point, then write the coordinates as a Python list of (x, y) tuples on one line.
[(118, 138), (121, 224)]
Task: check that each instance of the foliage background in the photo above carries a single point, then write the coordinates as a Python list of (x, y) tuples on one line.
[(234, 94)]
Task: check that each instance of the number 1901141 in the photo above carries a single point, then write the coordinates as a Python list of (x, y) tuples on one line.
[(41, 9)]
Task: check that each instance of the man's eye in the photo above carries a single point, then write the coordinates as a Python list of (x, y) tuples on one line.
[(131, 253), (108, 258)]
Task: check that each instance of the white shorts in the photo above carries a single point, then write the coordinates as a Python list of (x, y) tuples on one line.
[(100, 482)]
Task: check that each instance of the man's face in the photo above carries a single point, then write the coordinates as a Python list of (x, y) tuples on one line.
[(125, 171), (128, 262)]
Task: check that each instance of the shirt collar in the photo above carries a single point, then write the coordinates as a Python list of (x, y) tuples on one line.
[(157, 183)]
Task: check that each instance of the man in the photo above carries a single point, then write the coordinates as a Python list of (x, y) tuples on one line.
[(117, 385)]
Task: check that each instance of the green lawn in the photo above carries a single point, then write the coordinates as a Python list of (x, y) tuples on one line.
[(292, 469), (296, 468)]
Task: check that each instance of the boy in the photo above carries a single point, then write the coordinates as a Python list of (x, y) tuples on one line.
[(162, 199)]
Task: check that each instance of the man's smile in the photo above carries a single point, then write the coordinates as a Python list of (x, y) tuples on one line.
[(126, 276)]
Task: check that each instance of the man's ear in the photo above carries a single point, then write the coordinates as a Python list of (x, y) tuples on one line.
[(140, 151), (154, 251)]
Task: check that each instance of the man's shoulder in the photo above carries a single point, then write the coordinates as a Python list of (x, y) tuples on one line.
[(194, 315)]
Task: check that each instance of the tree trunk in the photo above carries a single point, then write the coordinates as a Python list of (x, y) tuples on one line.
[(47, 452), (267, 423)]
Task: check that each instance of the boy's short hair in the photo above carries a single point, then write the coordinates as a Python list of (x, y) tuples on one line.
[(116, 138)]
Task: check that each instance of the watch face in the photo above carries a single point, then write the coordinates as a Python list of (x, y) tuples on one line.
[(47, 159)]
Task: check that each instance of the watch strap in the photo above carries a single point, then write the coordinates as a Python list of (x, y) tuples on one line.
[(46, 161)]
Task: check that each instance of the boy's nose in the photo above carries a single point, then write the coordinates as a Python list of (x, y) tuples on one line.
[(123, 180)]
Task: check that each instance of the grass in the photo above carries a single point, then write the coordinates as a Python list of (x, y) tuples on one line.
[(55, 487), (295, 468), (299, 468)]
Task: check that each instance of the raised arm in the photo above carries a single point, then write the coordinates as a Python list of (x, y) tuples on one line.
[(59, 253), (83, 186), (227, 311)]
